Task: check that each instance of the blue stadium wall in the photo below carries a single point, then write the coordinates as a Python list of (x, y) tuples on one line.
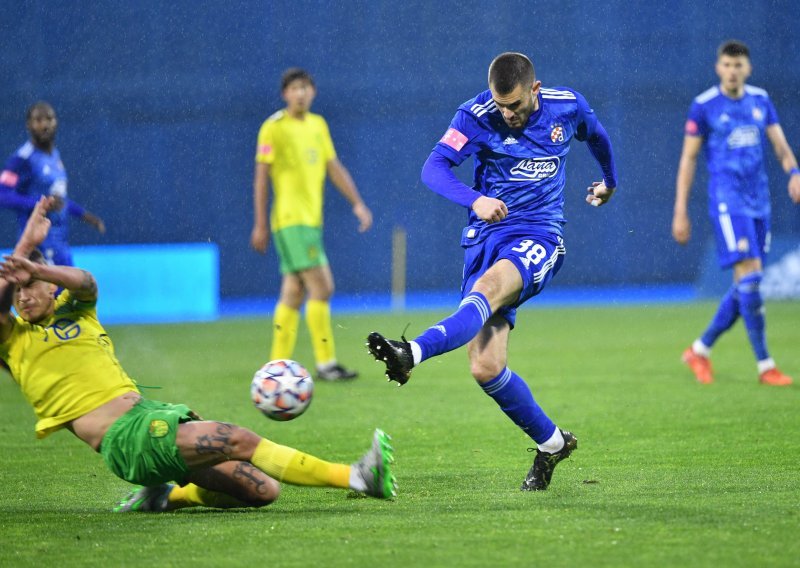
[(160, 104)]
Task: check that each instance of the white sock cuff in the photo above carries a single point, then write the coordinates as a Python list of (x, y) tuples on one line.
[(765, 365), (553, 444), (701, 348), (416, 352)]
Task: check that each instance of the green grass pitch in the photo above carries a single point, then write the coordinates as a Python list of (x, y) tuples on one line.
[(667, 473)]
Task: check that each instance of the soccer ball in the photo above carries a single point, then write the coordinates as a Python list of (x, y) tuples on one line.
[(282, 389)]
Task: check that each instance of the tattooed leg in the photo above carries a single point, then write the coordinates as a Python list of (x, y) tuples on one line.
[(210, 443)]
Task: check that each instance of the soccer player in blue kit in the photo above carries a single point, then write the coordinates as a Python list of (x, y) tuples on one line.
[(519, 134), (36, 169), (732, 122)]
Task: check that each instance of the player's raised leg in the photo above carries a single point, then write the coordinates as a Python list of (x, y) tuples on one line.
[(498, 286)]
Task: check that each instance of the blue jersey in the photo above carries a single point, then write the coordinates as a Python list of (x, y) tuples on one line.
[(31, 173), (734, 132), (522, 167)]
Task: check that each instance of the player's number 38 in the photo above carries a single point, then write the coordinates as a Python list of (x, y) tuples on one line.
[(534, 252)]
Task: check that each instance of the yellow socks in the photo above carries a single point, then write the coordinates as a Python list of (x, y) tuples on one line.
[(293, 466), (284, 336), (192, 495), (318, 318)]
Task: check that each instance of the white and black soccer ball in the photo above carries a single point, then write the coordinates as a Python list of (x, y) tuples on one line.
[(282, 389)]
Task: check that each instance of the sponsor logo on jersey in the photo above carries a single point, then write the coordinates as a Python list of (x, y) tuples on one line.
[(691, 128), (535, 169), (454, 139), (9, 178), (264, 150), (744, 137), (509, 141), (65, 329), (557, 133)]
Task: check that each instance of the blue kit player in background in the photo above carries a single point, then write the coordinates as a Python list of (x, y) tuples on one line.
[(519, 134), (733, 122), (34, 170)]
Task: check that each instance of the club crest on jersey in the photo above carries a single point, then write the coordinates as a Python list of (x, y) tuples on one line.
[(535, 169), (758, 114), (557, 133)]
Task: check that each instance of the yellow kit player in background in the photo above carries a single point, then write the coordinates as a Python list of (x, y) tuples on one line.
[(295, 152), (64, 362)]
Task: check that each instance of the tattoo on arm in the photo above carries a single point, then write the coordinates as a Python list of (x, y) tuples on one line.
[(88, 287), (217, 443)]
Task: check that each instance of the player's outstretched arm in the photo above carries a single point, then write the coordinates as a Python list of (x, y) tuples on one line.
[(35, 232), (19, 270), (343, 181), (681, 227), (787, 159)]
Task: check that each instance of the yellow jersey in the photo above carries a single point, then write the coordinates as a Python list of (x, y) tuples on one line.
[(298, 152), (65, 365)]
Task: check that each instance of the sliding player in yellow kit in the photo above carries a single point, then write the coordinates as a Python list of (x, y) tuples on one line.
[(295, 152), (64, 362)]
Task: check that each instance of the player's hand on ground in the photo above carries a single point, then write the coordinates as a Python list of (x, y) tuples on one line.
[(17, 270), (364, 216), (490, 209), (259, 239), (794, 188), (681, 228), (95, 221), (38, 224), (598, 194)]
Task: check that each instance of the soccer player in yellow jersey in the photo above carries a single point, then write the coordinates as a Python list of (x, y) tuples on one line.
[(64, 362), (294, 153)]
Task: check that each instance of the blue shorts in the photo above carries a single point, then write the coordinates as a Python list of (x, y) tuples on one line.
[(536, 252), (740, 237)]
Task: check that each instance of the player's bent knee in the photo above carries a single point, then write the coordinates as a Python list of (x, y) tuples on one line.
[(484, 371), (266, 495)]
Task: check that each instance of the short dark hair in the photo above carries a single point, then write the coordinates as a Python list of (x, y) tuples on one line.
[(38, 105), (293, 74), (509, 70), (733, 48)]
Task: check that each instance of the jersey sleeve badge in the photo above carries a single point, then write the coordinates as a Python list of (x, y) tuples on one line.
[(9, 178), (454, 139)]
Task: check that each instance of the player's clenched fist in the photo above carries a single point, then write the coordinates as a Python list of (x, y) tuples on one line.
[(490, 209)]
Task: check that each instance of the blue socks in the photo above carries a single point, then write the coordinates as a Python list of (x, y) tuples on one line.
[(726, 316), (751, 306), (457, 329), (514, 397)]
